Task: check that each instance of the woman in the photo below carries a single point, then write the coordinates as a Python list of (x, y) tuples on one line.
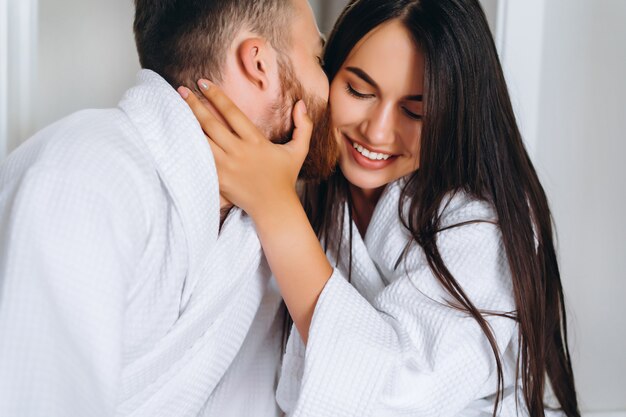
[(445, 297)]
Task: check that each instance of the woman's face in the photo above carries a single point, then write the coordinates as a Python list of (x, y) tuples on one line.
[(376, 104)]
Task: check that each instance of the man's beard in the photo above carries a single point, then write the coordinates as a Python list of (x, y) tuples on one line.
[(323, 155)]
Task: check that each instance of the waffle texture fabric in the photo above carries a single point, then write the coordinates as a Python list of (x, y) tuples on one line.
[(119, 294), (388, 343)]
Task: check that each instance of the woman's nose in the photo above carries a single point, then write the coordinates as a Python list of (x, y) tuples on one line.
[(378, 127)]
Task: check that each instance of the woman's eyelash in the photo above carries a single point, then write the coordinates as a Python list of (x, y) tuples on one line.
[(411, 115), (362, 96), (357, 94)]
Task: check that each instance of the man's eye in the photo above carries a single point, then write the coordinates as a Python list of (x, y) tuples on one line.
[(356, 93)]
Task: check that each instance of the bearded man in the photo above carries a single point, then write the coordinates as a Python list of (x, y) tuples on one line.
[(122, 290)]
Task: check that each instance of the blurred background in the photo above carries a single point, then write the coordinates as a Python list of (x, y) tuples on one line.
[(566, 66)]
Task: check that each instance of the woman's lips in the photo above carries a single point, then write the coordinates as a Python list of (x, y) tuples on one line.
[(364, 161)]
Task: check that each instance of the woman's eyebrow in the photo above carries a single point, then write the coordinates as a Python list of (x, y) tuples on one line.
[(362, 75), (365, 77), (417, 97)]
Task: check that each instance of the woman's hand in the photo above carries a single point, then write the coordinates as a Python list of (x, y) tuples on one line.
[(260, 177), (254, 173)]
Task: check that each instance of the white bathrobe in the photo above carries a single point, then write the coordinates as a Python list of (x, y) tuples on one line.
[(387, 344), (119, 296)]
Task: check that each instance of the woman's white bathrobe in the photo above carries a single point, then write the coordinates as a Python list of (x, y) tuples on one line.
[(118, 296), (387, 344)]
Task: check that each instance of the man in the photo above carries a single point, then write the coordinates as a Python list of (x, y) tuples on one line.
[(120, 293)]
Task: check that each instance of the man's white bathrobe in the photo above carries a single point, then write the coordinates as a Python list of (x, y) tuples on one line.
[(118, 293), (387, 344)]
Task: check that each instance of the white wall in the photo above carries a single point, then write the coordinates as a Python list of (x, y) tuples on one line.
[(566, 65), (491, 10), (18, 48), (86, 56), (520, 39), (580, 148), (327, 12), (4, 76), (64, 55)]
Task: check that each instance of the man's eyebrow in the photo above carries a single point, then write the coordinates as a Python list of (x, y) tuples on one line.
[(365, 77)]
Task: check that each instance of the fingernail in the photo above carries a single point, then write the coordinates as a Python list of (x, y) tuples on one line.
[(184, 92), (303, 105), (204, 84)]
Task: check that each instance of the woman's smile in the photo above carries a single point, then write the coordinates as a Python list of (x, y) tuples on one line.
[(367, 157)]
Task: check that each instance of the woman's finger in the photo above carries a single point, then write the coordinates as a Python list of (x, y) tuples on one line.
[(221, 161), (218, 153), (211, 126), (301, 139), (236, 119)]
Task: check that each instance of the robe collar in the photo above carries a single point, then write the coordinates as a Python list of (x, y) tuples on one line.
[(376, 256), (183, 159)]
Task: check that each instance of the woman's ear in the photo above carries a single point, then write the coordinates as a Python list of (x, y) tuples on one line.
[(256, 58)]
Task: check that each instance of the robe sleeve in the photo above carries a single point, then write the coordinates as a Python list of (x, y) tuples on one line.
[(408, 352), (68, 247)]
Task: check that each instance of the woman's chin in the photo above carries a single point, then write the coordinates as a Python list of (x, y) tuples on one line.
[(365, 180)]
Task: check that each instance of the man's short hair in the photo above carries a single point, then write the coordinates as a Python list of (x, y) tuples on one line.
[(185, 40)]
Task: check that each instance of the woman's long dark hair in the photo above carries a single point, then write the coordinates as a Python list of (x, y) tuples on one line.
[(470, 142)]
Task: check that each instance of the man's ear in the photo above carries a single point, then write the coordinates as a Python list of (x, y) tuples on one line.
[(256, 58)]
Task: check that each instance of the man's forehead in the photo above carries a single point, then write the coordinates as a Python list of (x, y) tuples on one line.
[(304, 18), (308, 35)]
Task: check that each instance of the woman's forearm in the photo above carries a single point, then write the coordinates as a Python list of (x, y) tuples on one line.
[(295, 256)]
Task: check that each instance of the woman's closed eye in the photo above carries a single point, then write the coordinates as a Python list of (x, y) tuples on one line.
[(411, 115), (355, 93)]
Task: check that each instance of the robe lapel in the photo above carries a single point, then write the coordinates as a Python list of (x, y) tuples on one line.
[(225, 280), (184, 162), (365, 276), (386, 237)]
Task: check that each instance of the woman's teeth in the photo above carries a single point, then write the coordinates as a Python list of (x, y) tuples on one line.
[(374, 156)]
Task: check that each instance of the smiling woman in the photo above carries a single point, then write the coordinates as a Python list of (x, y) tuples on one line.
[(450, 280), (378, 108)]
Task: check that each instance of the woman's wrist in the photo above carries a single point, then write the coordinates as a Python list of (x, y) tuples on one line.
[(272, 210)]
